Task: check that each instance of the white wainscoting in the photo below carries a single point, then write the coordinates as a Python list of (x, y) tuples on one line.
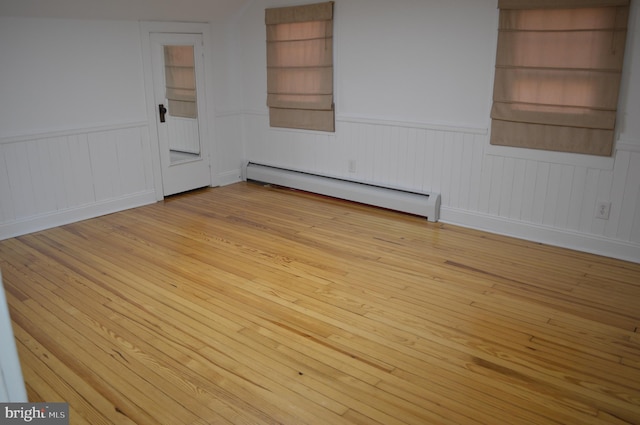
[(59, 177), (541, 196)]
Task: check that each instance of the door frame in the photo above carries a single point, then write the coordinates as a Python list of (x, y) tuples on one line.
[(146, 29)]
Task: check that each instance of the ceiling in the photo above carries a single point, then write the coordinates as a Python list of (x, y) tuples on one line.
[(152, 10)]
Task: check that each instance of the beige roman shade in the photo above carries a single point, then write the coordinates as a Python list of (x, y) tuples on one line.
[(300, 67), (558, 70), (180, 79)]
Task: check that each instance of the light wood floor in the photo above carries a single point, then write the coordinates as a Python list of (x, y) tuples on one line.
[(254, 305)]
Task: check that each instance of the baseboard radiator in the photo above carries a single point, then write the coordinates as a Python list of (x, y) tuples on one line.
[(422, 204)]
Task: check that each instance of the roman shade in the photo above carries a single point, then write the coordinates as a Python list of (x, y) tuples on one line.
[(300, 66), (558, 69)]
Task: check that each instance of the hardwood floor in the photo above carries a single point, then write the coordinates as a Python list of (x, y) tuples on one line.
[(254, 305)]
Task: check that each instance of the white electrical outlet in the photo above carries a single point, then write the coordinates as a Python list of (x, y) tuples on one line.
[(602, 209), (352, 165)]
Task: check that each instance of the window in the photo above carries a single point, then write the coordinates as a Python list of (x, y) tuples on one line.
[(558, 69), (300, 67)]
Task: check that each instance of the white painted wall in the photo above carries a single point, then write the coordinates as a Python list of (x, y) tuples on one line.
[(413, 94), (415, 61), (74, 141), (68, 74)]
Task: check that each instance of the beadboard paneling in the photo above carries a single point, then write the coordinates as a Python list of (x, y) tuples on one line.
[(525, 195), (46, 179)]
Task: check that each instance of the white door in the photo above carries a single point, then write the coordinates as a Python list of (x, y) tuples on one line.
[(178, 69)]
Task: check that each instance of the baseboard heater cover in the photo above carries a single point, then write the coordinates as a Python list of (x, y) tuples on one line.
[(421, 204)]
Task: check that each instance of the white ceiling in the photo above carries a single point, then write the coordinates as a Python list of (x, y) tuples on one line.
[(161, 10)]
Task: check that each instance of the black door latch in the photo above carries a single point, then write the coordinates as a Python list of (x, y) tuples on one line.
[(162, 110)]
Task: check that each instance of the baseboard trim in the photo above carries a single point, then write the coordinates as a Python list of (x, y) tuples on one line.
[(60, 218), (230, 177), (542, 234)]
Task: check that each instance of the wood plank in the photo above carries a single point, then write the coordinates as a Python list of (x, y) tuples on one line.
[(248, 304)]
